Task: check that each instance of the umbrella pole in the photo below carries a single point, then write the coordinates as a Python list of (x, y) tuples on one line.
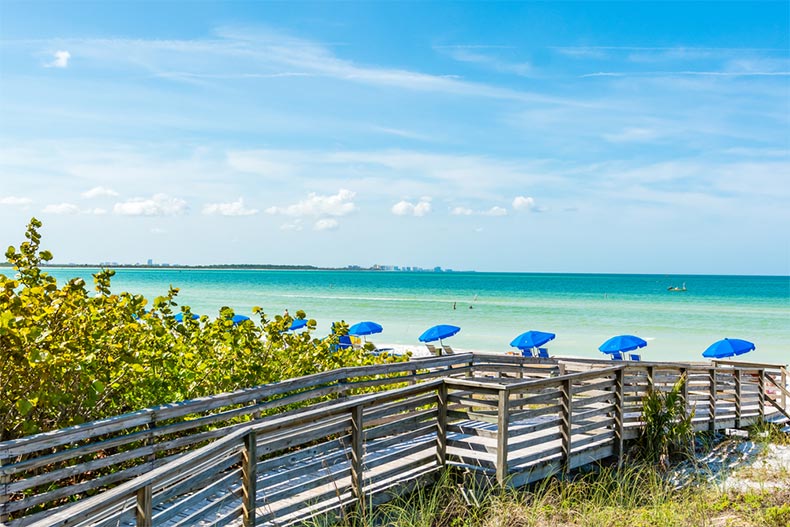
[(441, 347)]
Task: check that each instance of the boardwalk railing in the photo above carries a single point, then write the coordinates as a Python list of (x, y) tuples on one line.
[(511, 419), (45, 470)]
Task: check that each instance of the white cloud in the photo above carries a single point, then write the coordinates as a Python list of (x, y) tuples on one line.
[(495, 211), (325, 224), (406, 208), (339, 204), (99, 192), (295, 225), (234, 208), (15, 200), (157, 205), (61, 208), (523, 203), (60, 60), (96, 212)]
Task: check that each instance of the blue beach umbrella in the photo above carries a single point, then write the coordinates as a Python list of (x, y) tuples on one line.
[(179, 317), (532, 339), (622, 343), (728, 348), (365, 328), (442, 331), (298, 323), (238, 319)]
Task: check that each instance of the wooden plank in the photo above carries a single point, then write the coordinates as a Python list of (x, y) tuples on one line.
[(541, 398), (310, 466), (143, 509), (534, 456), (567, 421), (442, 425), (533, 413), (535, 440), (543, 424), (425, 448), (619, 438), (503, 422), (402, 425), (220, 483), (603, 423), (357, 454), (396, 407)]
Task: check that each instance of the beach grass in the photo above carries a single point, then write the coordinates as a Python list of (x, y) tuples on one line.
[(636, 495)]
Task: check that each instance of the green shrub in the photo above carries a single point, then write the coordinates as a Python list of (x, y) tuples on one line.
[(667, 429), (68, 357)]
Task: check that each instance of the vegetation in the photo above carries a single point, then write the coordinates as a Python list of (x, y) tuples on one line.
[(635, 496), (68, 356), (668, 430)]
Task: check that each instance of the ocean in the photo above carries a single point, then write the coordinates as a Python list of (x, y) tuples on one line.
[(492, 308)]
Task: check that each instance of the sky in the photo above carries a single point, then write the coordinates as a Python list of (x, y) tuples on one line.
[(624, 137)]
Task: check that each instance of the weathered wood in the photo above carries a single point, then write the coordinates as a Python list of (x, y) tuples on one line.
[(441, 425), (503, 421), (737, 376), (619, 422), (761, 383), (357, 454), (712, 400), (403, 435), (249, 478), (567, 421), (144, 508)]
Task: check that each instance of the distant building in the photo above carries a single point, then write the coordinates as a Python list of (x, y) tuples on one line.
[(150, 261)]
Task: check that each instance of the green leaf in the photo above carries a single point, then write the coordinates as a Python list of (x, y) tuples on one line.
[(24, 406)]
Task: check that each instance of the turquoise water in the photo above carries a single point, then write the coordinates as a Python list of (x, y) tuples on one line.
[(583, 310)]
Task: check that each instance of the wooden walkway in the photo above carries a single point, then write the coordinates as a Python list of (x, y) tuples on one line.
[(512, 419)]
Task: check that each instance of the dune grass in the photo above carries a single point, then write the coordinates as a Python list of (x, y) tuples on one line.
[(637, 495)]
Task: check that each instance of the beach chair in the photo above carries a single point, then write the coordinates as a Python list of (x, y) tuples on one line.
[(543, 353), (635, 356), (617, 356), (432, 349), (448, 350)]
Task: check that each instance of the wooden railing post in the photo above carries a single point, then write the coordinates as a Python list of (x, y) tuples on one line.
[(784, 385), (4, 481), (619, 415), (712, 393), (357, 453), (249, 478), (761, 384), (567, 423), (503, 422), (441, 425), (737, 376), (343, 393), (650, 379), (144, 508)]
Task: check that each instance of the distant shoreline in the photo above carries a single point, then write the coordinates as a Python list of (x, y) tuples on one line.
[(273, 267)]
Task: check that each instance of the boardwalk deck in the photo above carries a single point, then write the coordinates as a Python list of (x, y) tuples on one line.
[(505, 418)]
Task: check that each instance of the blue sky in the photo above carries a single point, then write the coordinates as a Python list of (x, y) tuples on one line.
[(549, 137)]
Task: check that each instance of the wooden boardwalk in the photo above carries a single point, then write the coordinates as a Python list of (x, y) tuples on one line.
[(514, 420)]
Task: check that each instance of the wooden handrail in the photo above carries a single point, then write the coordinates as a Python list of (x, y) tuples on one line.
[(240, 438)]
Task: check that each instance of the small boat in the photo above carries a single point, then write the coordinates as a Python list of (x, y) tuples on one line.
[(676, 288)]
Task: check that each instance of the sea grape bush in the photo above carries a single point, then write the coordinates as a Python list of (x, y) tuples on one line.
[(68, 356)]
